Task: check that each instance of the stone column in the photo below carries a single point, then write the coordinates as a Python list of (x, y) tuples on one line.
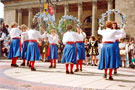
[(94, 18), (80, 11), (110, 6), (30, 16), (19, 17), (66, 11)]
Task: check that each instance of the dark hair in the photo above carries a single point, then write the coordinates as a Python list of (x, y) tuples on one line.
[(69, 27), (115, 24), (7, 26), (93, 38), (34, 25)]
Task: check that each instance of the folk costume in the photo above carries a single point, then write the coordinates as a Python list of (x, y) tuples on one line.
[(108, 52), (116, 43), (69, 52), (33, 52), (93, 51), (80, 50), (52, 51), (24, 40), (15, 46), (93, 48)]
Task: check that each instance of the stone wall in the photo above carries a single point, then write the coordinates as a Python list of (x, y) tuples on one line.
[(10, 16), (127, 7)]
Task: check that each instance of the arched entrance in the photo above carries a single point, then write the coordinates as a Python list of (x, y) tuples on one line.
[(87, 25)]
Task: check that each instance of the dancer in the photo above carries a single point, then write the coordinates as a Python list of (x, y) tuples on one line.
[(24, 40), (115, 27), (52, 51), (69, 52), (80, 48), (15, 44), (108, 53), (33, 53)]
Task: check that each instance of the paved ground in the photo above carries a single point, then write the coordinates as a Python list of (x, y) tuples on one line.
[(23, 78)]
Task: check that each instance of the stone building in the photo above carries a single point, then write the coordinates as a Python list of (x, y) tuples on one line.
[(87, 11)]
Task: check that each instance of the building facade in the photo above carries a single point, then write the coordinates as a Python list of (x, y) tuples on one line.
[(87, 11)]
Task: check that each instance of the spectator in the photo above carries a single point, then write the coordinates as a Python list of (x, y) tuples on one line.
[(86, 43), (123, 51), (4, 29), (93, 50), (2, 37)]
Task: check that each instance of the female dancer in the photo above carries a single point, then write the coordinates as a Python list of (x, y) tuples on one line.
[(24, 40), (80, 48), (115, 27), (52, 51), (108, 53), (33, 53), (69, 52), (15, 44)]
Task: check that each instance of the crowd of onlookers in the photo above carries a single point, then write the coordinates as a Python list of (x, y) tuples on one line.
[(92, 48), (4, 39), (126, 48)]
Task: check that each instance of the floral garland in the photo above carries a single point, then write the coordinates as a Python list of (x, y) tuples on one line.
[(102, 20), (67, 18)]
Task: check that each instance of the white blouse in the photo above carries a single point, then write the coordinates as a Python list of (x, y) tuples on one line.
[(123, 35), (24, 36), (3, 36), (15, 32), (81, 36), (70, 36), (33, 34), (51, 38), (109, 34)]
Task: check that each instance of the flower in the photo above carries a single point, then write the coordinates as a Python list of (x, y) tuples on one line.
[(104, 15)]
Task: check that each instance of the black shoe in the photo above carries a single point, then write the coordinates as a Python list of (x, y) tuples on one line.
[(27, 63), (23, 64), (77, 70), (50, 66), (33, 69), (54, 66), (110, 78), (95, 65), (71, 72), (29, 66), (91, 64), (16, 65), (115, 73), (12, 65), (105, 76), (80, 70), (67, 72)]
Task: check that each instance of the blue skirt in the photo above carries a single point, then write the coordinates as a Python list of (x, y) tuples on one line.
[(33, 53), (69, 54), (117, 52), (14, 50), (24, 49), (53, 52), (80, 51), (108, 57)]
